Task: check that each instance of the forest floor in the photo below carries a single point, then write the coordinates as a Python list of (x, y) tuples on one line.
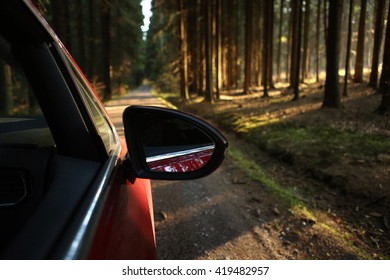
[(311, 183)]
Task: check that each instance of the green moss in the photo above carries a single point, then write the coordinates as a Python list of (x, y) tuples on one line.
[(324, 141), (168, 99), (255, 172), (318, 141)]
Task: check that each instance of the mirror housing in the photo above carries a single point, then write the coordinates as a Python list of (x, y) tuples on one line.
[(166, 144)]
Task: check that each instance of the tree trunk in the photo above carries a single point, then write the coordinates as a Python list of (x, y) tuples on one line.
[(332, 93), (192, 43), (298, 50), (81, 38), (106, 58), (318, 40), (218, 43), (60, 20), (208, 49), (358, 78), (348, 54), (237, 44), (92, 66), (231, 43), (380, 6), (294, 41), (201, 49), (305, 55), (325, 21), (183, 51), (257, 43), (289, 46), (6, 101), (384, 84), (279, 52), (266, 60), (248, 45), (271, 43)]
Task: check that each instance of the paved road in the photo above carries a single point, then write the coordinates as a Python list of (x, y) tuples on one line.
[(140, 96)]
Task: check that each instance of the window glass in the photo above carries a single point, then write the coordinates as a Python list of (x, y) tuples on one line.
[(104, 129), (21, 119), (94, 106)]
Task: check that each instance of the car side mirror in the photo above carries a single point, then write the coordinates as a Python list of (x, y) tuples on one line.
[(171, 145)]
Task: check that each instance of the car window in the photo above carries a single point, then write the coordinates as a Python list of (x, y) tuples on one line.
[(101, 123), (94, 106), (21, 118)]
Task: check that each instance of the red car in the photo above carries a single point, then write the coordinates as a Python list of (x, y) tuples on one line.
[(68, 188)]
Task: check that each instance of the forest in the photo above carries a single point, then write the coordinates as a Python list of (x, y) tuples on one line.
[(206, 47), (257, 45), (307, 82)]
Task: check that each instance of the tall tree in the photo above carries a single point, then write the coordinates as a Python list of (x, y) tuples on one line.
[(218, 43), (317, 63), (379, 6), (60, 11), (332, 93), (348, 50), (238, 37), (257, 42), (384, 83), (325, 18), (231, 46), (306, 34), (6, 101), (289, 44), (266, 45), (270, 41), (81, 36), (279, 51), (193, 38), (359, 65), (93, 40), (208, 49), (183, 51), (295, 5), (106, 58), (298, 50), (248, 45)]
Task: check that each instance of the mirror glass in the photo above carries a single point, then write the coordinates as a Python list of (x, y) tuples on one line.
[(171, 144)]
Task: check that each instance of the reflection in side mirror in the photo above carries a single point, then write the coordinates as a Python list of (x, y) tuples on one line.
[(167, 144), (172, 144), (181, 161)]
